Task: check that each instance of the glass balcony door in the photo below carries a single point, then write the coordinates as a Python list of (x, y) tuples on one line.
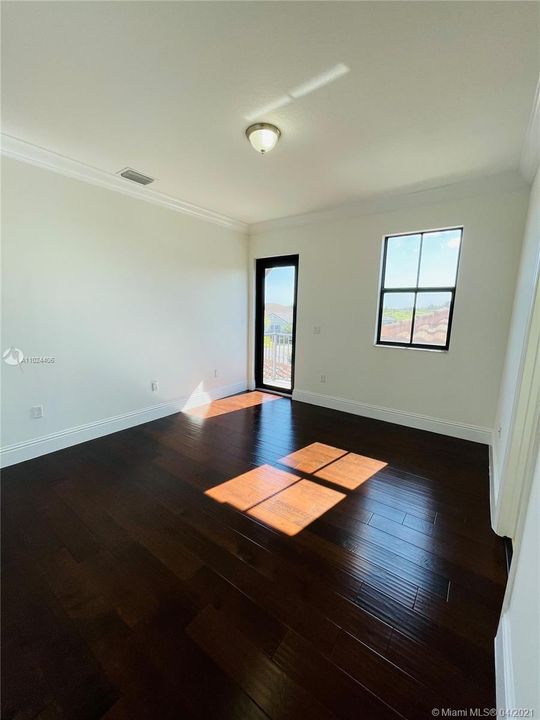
[(275, 322)]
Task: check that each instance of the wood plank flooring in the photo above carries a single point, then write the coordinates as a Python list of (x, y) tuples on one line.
[(129, 593)]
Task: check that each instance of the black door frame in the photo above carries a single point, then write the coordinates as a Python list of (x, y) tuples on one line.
[(261, 265)]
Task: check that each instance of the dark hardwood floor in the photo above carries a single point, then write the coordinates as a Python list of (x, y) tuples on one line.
[(128, 593)]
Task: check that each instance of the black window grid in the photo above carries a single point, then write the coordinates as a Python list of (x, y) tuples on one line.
[(415, 290)]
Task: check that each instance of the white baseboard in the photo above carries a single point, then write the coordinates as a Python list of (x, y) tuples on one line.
[(504, 667), (401, 417), (28, 449)]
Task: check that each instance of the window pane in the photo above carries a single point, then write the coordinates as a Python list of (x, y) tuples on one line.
[(431, 318), (402, 253), (438, 264), (397, 317)]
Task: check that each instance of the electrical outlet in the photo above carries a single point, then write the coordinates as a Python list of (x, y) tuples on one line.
[(323, 378), (36, 412), (216, 373), (316, 329), (155, 386)]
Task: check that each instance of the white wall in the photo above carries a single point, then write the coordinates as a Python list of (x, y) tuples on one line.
[(509, 451), (121, 292), (518, 638), (454, 392)]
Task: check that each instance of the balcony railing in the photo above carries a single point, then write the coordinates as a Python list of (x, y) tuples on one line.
[(277, 355)]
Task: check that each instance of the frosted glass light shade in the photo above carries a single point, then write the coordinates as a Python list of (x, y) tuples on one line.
[(263, 136)]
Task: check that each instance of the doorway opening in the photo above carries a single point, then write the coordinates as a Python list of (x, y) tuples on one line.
[(275, 322)]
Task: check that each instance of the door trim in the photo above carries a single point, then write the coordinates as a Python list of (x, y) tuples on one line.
[(262, 264)]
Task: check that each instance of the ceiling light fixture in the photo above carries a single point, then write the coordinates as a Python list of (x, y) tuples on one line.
[(263, 136)]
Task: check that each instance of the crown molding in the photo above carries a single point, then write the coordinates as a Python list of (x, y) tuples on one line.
[(34, 155), (508, 181), (530, 153)]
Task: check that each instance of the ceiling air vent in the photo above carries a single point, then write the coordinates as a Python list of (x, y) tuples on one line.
[(135, 176)]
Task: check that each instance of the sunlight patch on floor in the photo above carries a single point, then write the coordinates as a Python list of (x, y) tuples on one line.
[(245, 491), (231, 404), (313, 457), (351, 470), (296, 507), (289, 503)]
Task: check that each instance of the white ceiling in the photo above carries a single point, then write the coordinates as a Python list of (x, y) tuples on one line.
[(436, 91)]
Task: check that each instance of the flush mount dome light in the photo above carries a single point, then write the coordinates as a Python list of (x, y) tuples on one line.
[(263, 136)]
